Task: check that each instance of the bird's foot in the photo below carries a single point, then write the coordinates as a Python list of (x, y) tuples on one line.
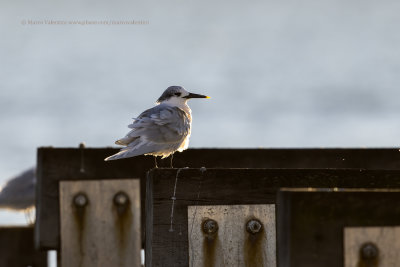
[(155, 162), (172, 156)]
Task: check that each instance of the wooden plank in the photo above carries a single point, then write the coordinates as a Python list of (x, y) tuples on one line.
[(229, 243), (57, 164), (100, 232), (17, 248), (195, 187), (310, 222), (384, 239)]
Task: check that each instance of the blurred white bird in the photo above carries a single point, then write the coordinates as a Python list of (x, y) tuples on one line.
[(161, 130), (19, 193)]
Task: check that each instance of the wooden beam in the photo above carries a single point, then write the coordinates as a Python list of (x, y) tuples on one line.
[(196, 187), (100, 223), (58, 164), (311, 222)]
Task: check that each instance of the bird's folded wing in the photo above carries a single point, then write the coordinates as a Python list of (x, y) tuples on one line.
[(160, 124)]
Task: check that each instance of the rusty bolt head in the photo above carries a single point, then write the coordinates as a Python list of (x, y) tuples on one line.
[(121, 199), (369, 251), (253, 226), (80, 200), (210, 226)]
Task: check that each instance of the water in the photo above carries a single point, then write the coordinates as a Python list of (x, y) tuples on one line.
[(280, 73)]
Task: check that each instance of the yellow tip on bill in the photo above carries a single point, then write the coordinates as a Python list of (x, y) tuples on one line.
[(207, 96)]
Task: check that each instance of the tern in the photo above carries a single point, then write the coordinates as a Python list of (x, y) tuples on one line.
[(161, 130)]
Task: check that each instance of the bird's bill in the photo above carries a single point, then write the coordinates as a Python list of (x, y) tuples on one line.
[(191, 95)]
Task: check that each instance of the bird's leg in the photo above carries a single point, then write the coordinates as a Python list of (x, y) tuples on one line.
[(29, 216), (155, 161), (172, 156)]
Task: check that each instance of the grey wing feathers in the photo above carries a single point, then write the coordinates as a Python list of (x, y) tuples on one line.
[(173, 120), (126, 140), (133, 150), (160, 125)]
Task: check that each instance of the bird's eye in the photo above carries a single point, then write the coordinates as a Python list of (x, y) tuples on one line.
[(178, 94)]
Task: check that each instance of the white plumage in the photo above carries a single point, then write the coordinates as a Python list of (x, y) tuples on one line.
[(161, 130)]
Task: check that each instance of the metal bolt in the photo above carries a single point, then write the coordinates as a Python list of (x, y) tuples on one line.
[(253, 226), (121, 199), (369, 251), (210, 226), (80, 200)]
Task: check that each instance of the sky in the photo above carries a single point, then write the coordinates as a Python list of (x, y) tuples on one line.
[(280, 73)]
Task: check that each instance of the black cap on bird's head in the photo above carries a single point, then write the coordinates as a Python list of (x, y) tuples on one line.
[(178, 92)]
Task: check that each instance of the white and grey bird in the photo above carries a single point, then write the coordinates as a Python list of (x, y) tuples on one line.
[(161, 130), (18, 193)]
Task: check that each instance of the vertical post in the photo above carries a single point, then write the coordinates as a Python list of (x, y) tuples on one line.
[(17, 248), (100, 223)]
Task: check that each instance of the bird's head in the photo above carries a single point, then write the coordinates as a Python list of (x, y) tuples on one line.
[(177, 95)]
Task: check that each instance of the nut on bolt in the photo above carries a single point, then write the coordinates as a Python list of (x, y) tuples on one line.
[(121, 202), (254, 226), (80, 200), (210, 227), (121, 199), (369, 251)]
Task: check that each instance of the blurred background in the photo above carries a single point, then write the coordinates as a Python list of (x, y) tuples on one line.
[(312, 73)]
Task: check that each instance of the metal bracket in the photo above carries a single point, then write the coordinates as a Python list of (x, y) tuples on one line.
[(100, 223), (371, 246), (236, 235)]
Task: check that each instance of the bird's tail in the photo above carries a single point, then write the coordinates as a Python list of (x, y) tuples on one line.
[(120, 155), (138, 147), (126, 140)]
